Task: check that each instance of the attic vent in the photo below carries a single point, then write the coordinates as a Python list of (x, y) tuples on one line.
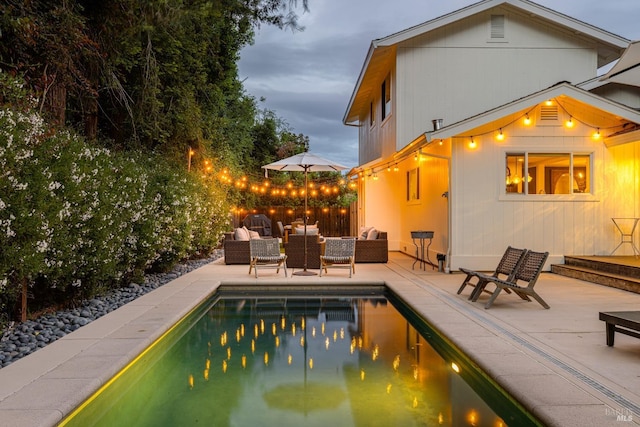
[(548, 113), (497, 26)]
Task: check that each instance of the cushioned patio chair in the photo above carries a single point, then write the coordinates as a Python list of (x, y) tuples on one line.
[(338, 253), (266, 254), (505, 270), (528, 272)]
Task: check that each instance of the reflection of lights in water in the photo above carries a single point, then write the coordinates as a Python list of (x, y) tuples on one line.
[(335, 336), (293, 329), (224, 366), (440, 418), (353, 345), (255, 330), (289, 359), (415, 402), (303, 323), (322, 328), (311, 363), (223, 339), (274, 329), (238, 337), (228, 352), (341, 333), (244, 361), (375, 353), (207, 364), (253, 346), (206, 375), (326, 343), (261, 326), (360, 343), (266, 358), (396, 362), (388, 388), (283, 323), (415, 373), (242, 330), (301, 341), (313, 331), (190, 381), (362, 374), (277, 342)]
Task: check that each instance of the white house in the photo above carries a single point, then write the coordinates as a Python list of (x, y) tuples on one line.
[(490, 127)]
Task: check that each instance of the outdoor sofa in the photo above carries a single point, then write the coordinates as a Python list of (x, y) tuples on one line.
[(373, 250)]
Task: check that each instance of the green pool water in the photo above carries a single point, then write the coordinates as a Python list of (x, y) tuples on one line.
[(274, 359)]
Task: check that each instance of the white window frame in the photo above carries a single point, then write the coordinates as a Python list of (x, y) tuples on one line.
[(577, 197)]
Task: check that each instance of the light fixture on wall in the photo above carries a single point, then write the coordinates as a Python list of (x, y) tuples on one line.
[(396, 168)]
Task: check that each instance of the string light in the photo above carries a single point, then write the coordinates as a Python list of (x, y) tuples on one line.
[(472, 143), (527, 120), (500, 136), (569, 123)]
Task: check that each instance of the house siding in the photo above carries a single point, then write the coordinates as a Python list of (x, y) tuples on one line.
[(457, 72)]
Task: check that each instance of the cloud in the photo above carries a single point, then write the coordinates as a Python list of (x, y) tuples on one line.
[(308, 77)]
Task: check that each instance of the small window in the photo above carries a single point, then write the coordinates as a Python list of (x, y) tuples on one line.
[(386, 97), (372, 114), (548, 173)]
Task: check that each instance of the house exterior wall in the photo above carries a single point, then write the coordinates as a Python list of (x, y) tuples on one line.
[(378, 139), (458, 71), (485, 220), (626, 95)]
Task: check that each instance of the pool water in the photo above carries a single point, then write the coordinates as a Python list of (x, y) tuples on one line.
[(278, 360)]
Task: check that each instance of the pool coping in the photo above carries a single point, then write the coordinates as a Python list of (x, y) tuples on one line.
[(42, 388)]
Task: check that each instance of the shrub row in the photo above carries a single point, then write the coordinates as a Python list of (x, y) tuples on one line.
[(76, 219)]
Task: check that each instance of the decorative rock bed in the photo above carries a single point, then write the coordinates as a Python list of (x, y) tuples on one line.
[(25, 338)]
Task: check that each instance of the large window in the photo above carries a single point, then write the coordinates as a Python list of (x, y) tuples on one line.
[(385, 94), (548, 173)]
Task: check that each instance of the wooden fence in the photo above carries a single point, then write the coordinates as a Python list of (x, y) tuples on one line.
[(333, 222)]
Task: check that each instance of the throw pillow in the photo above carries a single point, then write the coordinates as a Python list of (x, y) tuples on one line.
[(241, 233), (364, 232), (253, 234), (310, 230), (372, 234)]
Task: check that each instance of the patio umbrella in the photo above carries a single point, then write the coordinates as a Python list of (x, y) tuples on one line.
[(627, 69), (305, 162)]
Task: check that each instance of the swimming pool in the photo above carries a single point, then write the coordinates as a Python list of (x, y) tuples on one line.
[(322, 356)]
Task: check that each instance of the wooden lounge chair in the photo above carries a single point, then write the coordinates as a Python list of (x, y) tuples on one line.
[(339, 253), (528, 271), (266, 254), (505, 270)]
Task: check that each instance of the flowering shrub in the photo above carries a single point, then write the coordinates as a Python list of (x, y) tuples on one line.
[(76, 219)]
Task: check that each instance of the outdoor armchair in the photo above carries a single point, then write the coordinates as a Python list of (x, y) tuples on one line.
[(527, 272), (338, 253), (265, 253), (505, 270)]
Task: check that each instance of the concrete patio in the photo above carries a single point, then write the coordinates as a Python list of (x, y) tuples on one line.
[(555, 361)]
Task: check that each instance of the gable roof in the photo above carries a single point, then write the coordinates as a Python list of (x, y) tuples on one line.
[(570, 95), (382, 51), (627, 69)]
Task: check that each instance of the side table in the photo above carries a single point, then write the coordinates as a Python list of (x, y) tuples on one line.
[(421, 236)]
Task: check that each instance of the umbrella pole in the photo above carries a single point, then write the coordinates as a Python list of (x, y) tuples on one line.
[(304, 272)]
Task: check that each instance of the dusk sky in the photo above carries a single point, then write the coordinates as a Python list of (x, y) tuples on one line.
[(308, 77)]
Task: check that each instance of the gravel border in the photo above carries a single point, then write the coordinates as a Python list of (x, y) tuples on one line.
[(20, 340)]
